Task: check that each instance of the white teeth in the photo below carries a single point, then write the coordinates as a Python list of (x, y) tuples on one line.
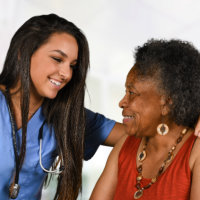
[(128, 117), (55, 82)]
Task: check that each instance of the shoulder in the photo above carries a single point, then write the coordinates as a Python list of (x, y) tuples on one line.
[(2, 97), (117, 148), (195, 168), (127, 141), (97, 120), (112, 161), (2, 87), (195, 154), (98, 126), (105, 186)]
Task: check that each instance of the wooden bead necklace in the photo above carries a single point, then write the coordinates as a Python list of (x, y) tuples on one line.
[(141, 157)]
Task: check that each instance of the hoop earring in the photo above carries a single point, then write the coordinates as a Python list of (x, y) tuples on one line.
[(162, 129)]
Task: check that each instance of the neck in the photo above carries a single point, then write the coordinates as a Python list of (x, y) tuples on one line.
[(158, 142), (34, 104)]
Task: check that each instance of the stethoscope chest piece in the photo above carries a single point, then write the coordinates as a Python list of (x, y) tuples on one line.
[(13, 192)]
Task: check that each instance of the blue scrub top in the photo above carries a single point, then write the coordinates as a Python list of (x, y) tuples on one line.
[(31, 176)]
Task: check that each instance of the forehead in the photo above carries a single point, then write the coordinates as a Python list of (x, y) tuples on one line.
[(140, 84), (131, 78), (61, 39), (60, 42)]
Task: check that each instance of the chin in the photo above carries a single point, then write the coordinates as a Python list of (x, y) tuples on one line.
[(131, 132), (51, 95)]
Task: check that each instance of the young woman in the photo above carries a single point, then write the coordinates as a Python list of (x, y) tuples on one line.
[(42, 87), (42, 111)]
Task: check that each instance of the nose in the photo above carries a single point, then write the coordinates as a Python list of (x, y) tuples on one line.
[(66, 72), (123, 103)]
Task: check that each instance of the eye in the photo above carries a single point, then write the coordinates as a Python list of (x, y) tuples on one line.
[(132, 93), (57, 59)]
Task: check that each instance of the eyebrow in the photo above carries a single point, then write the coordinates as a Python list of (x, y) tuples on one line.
[(60, 52), (130, 86)]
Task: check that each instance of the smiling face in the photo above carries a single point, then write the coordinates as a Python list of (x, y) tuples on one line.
[(141, 106), (52, 65)]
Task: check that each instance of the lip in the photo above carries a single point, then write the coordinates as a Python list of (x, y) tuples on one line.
[(127, 117), (127, 120), (54, 84)]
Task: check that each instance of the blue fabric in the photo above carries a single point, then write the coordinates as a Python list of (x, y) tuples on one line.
[(31, 176), (97, 130)]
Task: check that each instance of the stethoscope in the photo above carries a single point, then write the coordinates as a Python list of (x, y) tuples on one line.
[(56, 171), (15, 187)]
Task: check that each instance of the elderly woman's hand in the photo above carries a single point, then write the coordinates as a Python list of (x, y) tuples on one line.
[(197, 128)]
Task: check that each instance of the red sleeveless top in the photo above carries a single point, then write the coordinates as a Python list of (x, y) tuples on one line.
[(173, 184)]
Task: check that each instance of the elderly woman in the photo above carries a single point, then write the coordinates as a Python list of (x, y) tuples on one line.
[(159, 159)]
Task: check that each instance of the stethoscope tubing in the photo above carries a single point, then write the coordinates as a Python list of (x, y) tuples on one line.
[(15, 184), (56, 171)]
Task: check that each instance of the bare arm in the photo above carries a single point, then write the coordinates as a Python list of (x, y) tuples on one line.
[(195, 157), (197, 128), (115, 135), (106, 185)]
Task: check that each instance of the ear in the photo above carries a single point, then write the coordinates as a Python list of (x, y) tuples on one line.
[(165, 103)]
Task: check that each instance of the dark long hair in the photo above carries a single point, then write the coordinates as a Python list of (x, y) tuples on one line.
[(65, 113)]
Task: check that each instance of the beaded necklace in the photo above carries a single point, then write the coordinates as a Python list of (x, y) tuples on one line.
[(141, 157)]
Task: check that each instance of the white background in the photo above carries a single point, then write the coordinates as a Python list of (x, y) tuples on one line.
[(113, 28)]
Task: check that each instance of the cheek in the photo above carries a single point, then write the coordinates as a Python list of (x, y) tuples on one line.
[(36, 77), (148, 120), (146, 117), (35, 70), (41, 65), (152, 111), (135, 125)]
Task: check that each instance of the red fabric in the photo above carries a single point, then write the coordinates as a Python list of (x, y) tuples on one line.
[(173, 184)]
